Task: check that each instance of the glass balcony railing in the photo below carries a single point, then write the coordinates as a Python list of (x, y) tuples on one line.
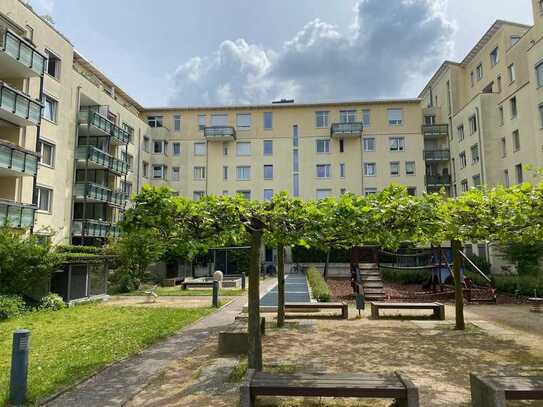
[(90, 228), (17, 161), (220, 133), (435, 130), (437, 155), (16, 215), (17, 107), (99, 125), (436, 180), (102, 159), (18, 57), (351, 129), (99, 193)]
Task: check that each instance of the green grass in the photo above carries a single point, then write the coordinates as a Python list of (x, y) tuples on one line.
[(177, 291), (69, 345), (319, 288)]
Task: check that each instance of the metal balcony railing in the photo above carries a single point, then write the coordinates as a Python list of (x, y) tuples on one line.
[(19, 57), (436, 180), (16, 215), (17, 107), (99, 125), (351, 129), (437, 155), (17, 161), (99, 193), (220, 133), (102, 159), (435, 130)]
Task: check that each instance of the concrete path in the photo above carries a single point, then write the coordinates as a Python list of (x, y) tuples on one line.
[(296, 290), (117, 384)]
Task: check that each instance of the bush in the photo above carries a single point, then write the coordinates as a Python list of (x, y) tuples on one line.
[(51, 302), (522, 285), (406, 276), (11, 306), (319, 288), (480, 262)]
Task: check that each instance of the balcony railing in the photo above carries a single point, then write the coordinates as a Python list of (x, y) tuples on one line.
[(99, 193), (90, 228), (220, 133), (438, 180), (352, 129), (16, 215), (98, 125), (16, 161), (437, 155), (102, 159), (19, 58), (435, 130), (17, 107)]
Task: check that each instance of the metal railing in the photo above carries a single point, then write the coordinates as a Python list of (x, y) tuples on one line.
[(438, 179), (16, 215), (219, 132), (90, 228), (18, 159), (350, 128), (437, 155), (22, 51), (19, 104), (101, 158), (91, 117), (435, 130), (95, 192)]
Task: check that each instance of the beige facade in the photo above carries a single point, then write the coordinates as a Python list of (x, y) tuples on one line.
[(478, 121)]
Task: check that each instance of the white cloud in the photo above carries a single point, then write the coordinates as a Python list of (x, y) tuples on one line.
[(391, 48)]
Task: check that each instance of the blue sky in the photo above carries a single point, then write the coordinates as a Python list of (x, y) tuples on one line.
[(197, 52)]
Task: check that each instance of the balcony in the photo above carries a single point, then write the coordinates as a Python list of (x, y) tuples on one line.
[(87, 191), (433, 131), (437, 155), (19, 58), (438, 180), (16, 215), (352, 129), (16, 161), (220, 133), (96, 158), (90, 228), (94, 124), (18, 108)]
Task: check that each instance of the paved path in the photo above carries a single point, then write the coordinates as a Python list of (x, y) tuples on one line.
[(296, 290), (117, 384)]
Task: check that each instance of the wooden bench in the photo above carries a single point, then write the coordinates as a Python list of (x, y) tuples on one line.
[(317, 306), (235, 339), (493, 391), (196, 284), (438, 308), (393, 386)]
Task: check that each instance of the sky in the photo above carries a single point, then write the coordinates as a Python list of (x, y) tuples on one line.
[(221, 52)]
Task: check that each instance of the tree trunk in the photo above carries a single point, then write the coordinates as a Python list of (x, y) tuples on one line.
[(280, 286), (325, 274), (458, 290), (255, 340)]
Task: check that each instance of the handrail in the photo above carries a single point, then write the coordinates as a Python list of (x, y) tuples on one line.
[(475, 267)]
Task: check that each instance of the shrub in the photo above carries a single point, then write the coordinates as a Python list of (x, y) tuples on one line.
[(11, 306), (51, 302), (480, 262), (319, 288), (522, 285), (406, 276)]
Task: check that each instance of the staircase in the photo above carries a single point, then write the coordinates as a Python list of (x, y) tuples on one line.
[(372, 282)]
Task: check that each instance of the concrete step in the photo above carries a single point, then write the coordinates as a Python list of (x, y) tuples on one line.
[(373, 285), (374, 291), (365, 266)]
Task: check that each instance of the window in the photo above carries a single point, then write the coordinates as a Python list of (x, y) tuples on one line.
[(126, 187), (514, 108), (464, 185), (29, 34), (474, 154), (370, 169), (494, 57), (155, 121), (460, 130), (476, 180), (323, 170), (321, 120), (219, 119), (47, 153), (518, 172), (268, 147), (342, 170), (268, 120), (176, 146), (472, 125), (323, 193), (347, 116), (499, 84), (366, 117), (197, 195), (202, 121), (243, 121), (463, 161), (199, 173), (397, 143), (342, 191), (500, 116), (200, 149), (296, 184), (472, 78), (295, 136), (369, 144), (395, 117), (516, 140), (506, 180), (244, 194), (53, 64), (504, 147), (225, 148), (539, 73), (146, 144), (516, 38), (145, 166), (268, 194), (50, 109), (512, 73), (295, 160), (243, 148), (225, 172), (177, 123), (130, 131), (410, 168), (176, 173), (323, 146), (479, 71), (159, 146), (243, 173), (412, 191), (370, 191), (43, 199), (540, 108), (268, 172), (129, 159), (159, 172), (394, 168)]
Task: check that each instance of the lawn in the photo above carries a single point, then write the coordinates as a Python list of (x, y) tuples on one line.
[(177, 291), (70, 344)]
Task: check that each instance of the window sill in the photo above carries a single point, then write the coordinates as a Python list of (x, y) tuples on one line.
[(43, 212), (52, 167), (49, 120)]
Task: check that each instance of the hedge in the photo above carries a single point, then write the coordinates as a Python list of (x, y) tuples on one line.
[(405, 276), (319, 288)]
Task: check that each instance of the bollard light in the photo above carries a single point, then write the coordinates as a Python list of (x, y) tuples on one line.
[(19, 367)]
